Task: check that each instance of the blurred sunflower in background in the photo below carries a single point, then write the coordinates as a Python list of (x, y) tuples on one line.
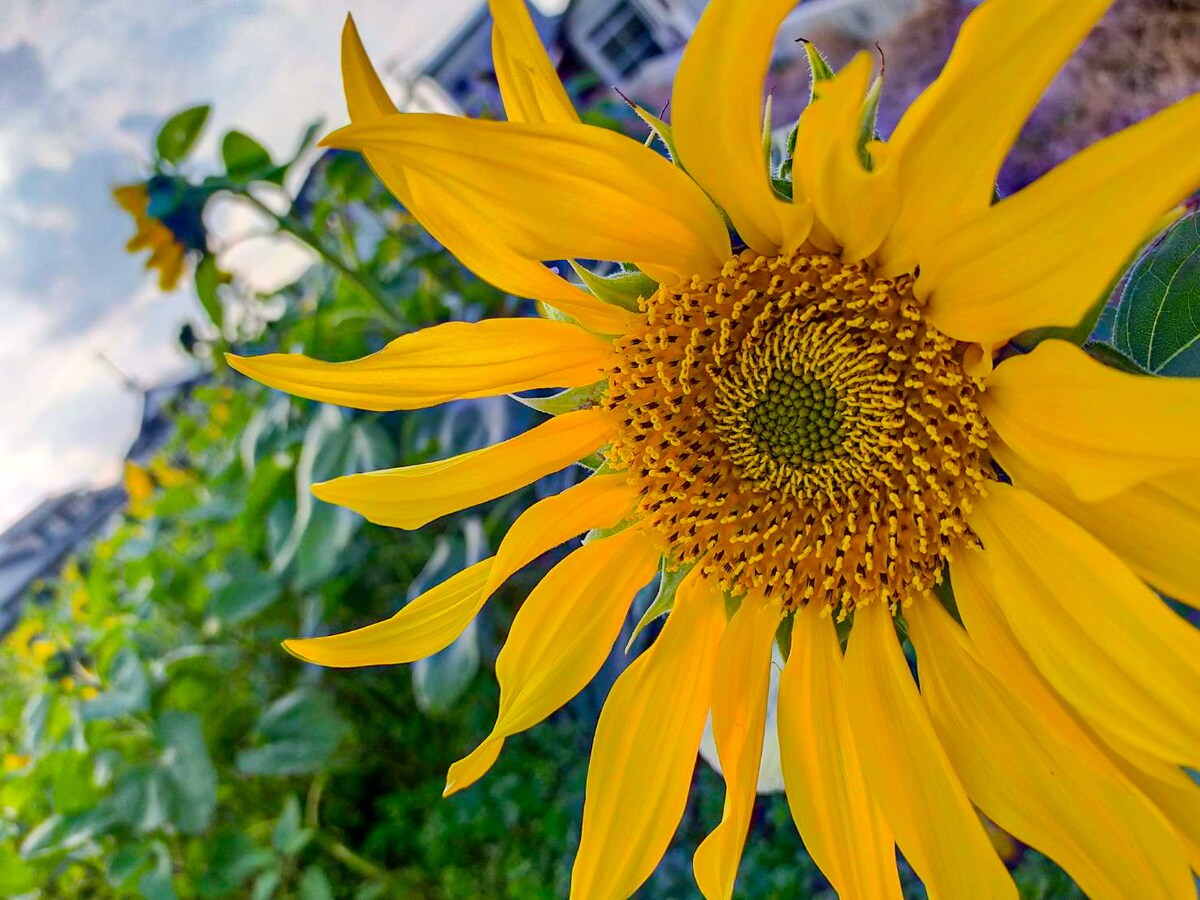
[(167, 253), (809, 415)]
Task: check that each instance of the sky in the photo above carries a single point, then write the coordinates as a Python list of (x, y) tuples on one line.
[(83, 86)]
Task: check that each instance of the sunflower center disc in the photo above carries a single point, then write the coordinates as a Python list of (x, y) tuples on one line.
[(798, 418), (795, 426)]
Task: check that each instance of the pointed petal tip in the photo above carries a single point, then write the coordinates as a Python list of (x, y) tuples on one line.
[(333, 140), (474, 765), (325, 490), (303, 650), (243, 365), (292, 646), (453, 785)]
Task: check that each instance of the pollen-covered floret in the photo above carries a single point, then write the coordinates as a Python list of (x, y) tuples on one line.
[(796, 427)]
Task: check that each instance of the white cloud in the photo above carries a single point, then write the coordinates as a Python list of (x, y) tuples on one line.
[(83, 85)]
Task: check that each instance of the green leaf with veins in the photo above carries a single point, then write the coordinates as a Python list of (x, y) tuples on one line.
[(1158, 313)]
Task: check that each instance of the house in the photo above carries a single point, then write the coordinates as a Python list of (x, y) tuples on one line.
[(633, 45), (36, 545)]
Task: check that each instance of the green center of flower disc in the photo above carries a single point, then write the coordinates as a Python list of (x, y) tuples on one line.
[(799, 418)]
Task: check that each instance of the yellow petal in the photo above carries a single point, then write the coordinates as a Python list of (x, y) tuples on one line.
[(908, 772), (435, 619), (1046, 255), (739, 713), (413, 496), (1099, 636), (133, 198), (446, 362), (951, 142), (428, 624), (842, 827), (855, 206), (1166, 786), (137, 482), (601, 501), (1154, 526), (366, 97), (561, 636), (529, 85), (645, 748), (454, 221), (556, 191), (140, 241), (1100, 430), (1172, 791), (717, 115), (1034, 782)]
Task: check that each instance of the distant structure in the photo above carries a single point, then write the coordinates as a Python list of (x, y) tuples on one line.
[(634, 45), (36, 546)]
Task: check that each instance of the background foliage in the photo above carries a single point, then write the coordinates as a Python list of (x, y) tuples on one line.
[(158, 742)]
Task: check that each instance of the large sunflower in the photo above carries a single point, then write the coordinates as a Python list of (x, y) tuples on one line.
[(806, 423)]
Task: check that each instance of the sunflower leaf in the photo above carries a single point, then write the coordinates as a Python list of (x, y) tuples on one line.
[(664, 600), (821, 70), (565, 401), (179, 133), (1157, 321), (660, 129), (245, 158), (623, 289)]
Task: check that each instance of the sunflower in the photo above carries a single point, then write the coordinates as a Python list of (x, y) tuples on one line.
[(812, 419), (167, 254)]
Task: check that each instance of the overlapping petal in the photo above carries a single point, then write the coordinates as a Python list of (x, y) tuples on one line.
[(839, 821), (908, 771), (1175, 795), (1171, 790), (554, 191), (645, 748), (952, 140), (1154, 526), (716, 117), (453, 361), (413, 496), (855, 206), (601, 501), (1100, 430), (561, 636), (739, 712), (1098, 635), (1050, 789), (454, 220), (1045, 255), (434, 620), (529, 86)]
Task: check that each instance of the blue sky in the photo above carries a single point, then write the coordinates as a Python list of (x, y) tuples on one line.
[(83, 86)]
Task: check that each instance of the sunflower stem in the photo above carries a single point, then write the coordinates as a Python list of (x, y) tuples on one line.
[(299, 230)]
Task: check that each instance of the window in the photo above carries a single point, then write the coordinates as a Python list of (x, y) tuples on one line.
[(625, 39)]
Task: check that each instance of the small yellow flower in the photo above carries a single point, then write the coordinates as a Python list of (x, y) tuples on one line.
[(139, 486), (167, 255), (77, 602), (21, 636), (88, 692), (66, 684), (15, 761), (42, 650), (806, 421), (167, 475)]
